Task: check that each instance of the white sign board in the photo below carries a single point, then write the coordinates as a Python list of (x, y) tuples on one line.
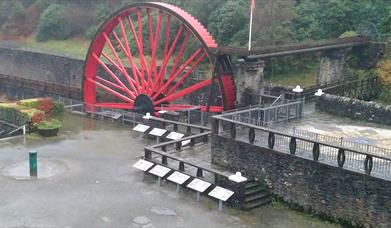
[(199, 185), (178, 177), (143, 165), (175, 136), (157, 132), (159, 171), (111, 114), (221, 193), (184, 143), (141, 128)]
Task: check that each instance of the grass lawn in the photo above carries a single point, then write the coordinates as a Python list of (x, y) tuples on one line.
[(76, 47), (304, 79)]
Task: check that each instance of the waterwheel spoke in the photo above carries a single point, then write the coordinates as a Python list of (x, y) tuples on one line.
[(173, 77), (128, 53), (143, 63), (180, 94), (120, 67), (141, 47), (115, 93), (189, 71), (180, 52), (168, 34), (102, 80), (116, 79), (154, 40), (151, 44), (167, 58)]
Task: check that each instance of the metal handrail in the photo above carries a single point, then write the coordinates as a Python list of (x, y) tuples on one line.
[(298, 137), (178, 123), (278, 98)]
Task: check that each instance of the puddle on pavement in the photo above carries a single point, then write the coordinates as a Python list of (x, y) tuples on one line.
[(47, 168)]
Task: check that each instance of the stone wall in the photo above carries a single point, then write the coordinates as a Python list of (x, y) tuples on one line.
[(317, 188), (41, 66), (356, 109)]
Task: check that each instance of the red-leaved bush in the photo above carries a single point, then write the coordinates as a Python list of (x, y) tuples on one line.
[(45, 104), (38, 117)]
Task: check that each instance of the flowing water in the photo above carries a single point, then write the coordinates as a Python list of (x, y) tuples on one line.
[(351, 130)]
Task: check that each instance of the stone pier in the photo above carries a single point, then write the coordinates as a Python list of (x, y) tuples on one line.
[(331, 66), (249, 82)]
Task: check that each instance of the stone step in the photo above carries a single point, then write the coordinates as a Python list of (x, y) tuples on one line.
[(253, 190), (254, 197), (251, 184), (257, 203)]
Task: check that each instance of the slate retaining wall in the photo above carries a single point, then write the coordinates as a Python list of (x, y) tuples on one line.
[(335, 193)]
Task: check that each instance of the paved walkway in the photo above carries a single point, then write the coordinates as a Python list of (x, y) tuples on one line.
[(86, 180)]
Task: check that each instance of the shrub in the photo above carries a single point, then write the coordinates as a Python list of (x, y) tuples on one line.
[(30, 103), (62, 21), (49, 124), (18, 10), (385, 95), (51, 24), (58, 109), (31, 112)]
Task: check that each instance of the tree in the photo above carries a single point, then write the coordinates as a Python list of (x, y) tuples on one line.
[(330, 18), (51, 25), (273, 22), (227, 20), (385, 23)]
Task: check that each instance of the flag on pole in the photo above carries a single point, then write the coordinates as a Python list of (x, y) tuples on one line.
[(251, 24)]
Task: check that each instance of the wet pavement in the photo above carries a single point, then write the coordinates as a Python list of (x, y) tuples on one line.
[(85, 179)]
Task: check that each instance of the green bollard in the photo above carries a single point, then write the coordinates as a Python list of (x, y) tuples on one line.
[(33, 163)]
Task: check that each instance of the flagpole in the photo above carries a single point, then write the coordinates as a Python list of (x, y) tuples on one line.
[(251, 27)]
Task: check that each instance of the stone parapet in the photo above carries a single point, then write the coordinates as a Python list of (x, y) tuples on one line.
[(355, 109), (41, 66)]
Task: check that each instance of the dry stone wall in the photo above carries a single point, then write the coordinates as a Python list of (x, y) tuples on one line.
[(355, 109)]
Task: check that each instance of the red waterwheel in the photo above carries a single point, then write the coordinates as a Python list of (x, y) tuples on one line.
[(153, 56)]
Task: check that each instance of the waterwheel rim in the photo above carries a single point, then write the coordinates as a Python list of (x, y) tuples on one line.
[(140, 59)]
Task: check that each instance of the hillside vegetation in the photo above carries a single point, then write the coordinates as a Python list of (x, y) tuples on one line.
[(69, 25)]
